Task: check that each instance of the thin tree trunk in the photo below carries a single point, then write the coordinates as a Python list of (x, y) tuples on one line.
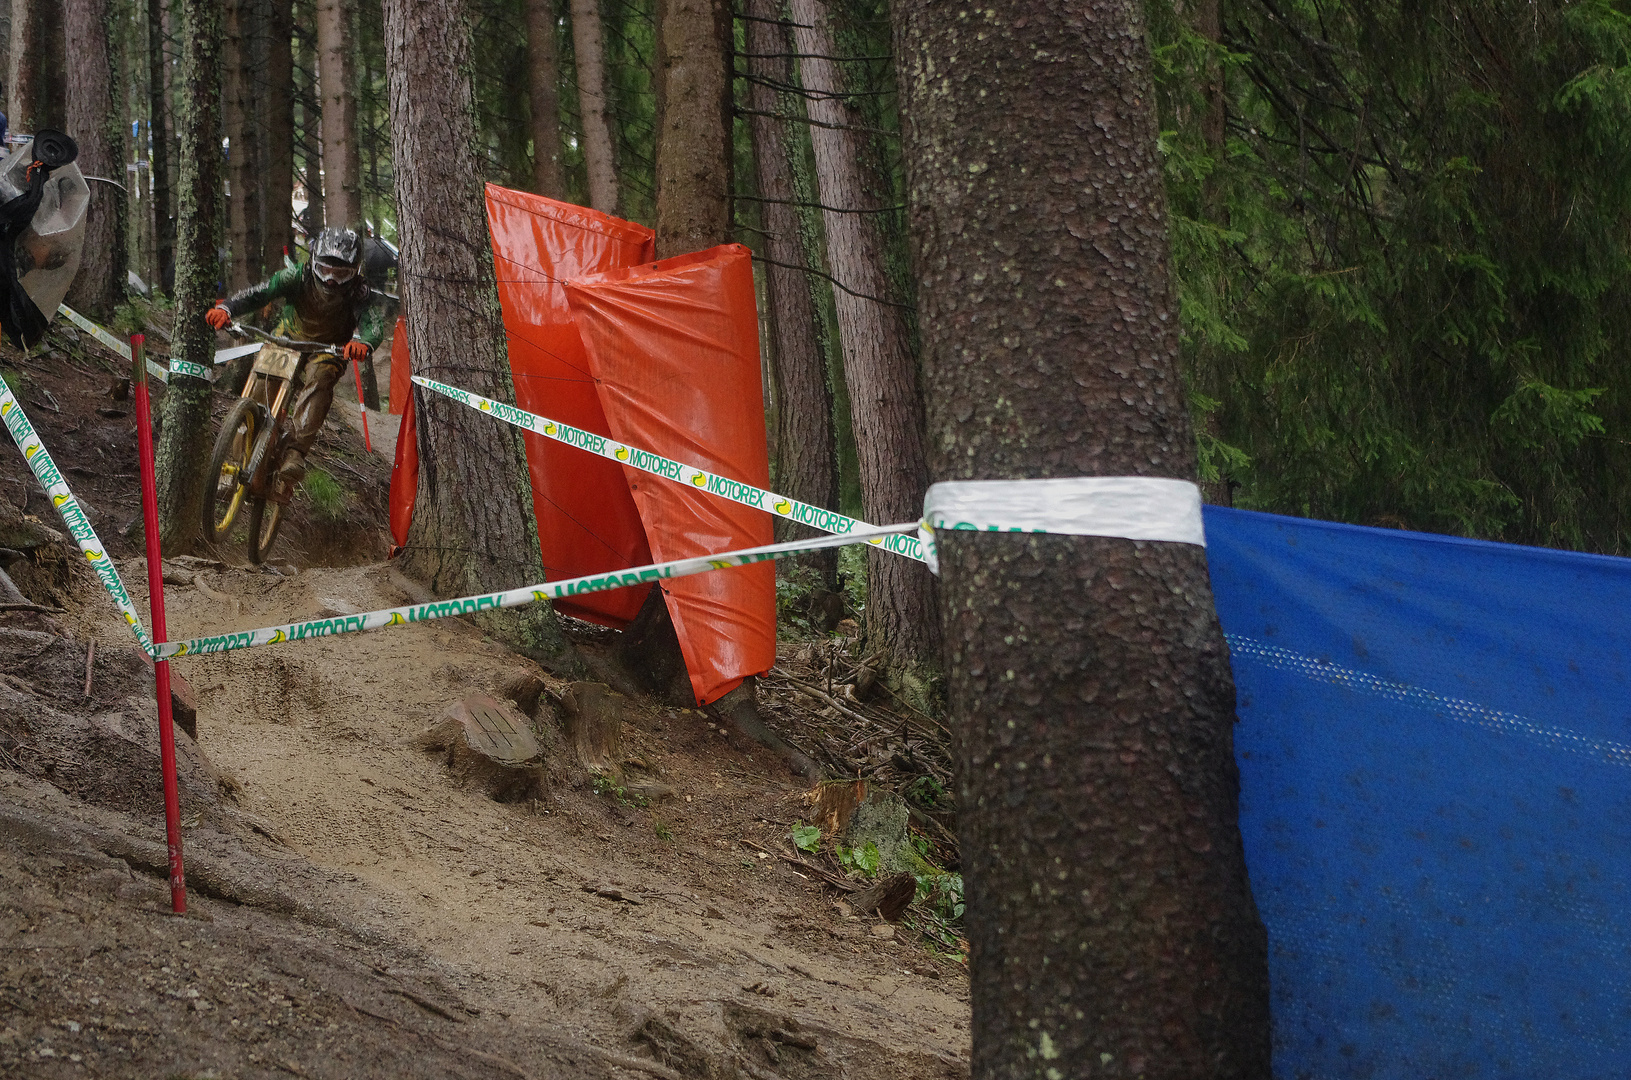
[(158, 118), (1112, 928), (588, 55), (279, 148), (806, 460), (342, 163), (311, 119), (38, 81), (544, 98), (473, 528), (878, 361), (694, 126), (184, 440), (95, 118), (243, 166)]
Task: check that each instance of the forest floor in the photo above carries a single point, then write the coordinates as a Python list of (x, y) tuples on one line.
[(353, 910)]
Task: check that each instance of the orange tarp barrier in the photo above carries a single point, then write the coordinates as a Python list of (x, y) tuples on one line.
[(674, 346), (587, 521)]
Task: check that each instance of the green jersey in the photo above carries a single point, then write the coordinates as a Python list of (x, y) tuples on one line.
[(312, 312)]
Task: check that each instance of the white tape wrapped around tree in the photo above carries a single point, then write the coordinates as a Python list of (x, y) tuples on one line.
[(1129, 507)]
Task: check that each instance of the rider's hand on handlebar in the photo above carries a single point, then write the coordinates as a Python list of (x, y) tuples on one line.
[(357, 351), (218, 317)]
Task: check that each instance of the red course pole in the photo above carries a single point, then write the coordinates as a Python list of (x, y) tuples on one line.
[(356, 369), (155, 594)]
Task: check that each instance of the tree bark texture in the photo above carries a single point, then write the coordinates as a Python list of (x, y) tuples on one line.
[(1112, 928), (543, 93), (38, 81), (806, 459), (342, 162), (185, 438), (473, 529), (694, 126), (239, 122), (589, 55), (94, 119), (878, 362), (278, 236), (158, 116)]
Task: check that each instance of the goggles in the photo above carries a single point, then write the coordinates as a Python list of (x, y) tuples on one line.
[(334, 273)]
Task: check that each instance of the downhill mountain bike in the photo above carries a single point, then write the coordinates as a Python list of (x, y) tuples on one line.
[(242, 480)]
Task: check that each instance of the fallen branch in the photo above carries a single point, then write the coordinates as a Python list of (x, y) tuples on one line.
[(819, 871), (38, 608), (90, 660)]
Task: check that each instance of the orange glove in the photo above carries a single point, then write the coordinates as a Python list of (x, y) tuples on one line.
[(218, 317), (357, 351)]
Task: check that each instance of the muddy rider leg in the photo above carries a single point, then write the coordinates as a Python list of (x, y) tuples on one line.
[(306, 418)]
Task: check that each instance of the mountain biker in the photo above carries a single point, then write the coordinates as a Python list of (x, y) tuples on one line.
[(327, 300)]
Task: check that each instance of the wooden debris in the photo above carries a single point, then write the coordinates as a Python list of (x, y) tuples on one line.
[(888, 896), (490, 747), (594, 727)]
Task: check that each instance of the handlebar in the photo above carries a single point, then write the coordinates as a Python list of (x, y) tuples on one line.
[(240, 330)]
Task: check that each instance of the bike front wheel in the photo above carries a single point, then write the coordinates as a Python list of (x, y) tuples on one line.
[(225, 484), (265, 517)]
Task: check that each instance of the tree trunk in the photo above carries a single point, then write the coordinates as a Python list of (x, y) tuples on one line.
[(38, 82), (94, 119), (473, 529), (279, 148), (158, 117), (878, 361), (544, 98), (243, 164), (310, 98), (1112, 927), (597, 133), (694, 125), (185, 437), (806, 460), (342, 163)]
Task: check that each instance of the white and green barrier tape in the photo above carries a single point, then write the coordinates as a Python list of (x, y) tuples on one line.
[(679, 472), (527, 594), (177, 367), (73, 516)]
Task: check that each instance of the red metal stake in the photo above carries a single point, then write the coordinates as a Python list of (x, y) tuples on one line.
[(155, 593), (356, 369)]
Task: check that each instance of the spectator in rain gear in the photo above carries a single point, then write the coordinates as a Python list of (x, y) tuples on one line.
[(326, 299)]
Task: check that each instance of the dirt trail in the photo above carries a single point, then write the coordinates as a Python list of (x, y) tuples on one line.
[(714, 941)]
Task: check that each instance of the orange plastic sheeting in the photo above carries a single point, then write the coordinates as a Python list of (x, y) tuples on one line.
[(587, 522), (675, 347), (400, 384)]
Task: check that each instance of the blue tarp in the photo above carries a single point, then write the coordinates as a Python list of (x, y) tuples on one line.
[(1435, 752)]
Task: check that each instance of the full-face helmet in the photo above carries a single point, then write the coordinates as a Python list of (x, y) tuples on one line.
[(336, 257)]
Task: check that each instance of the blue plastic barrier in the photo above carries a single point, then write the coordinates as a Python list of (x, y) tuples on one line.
[(1435, 751)]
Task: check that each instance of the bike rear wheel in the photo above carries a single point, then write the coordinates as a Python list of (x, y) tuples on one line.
[(265, 518), (225, 484)]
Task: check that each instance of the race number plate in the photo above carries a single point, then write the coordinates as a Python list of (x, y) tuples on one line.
[(277, 363)]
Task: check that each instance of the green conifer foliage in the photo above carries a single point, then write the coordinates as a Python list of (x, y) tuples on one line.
[(1404, 273)]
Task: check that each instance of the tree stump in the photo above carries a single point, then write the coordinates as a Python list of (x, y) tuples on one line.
[(522, 687), (490, 748), (594, 727)]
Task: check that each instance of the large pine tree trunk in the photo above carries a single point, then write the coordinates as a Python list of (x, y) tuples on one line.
[(473, 528), (309, 97), (185, 438), (94, 119), (238, 121), (342, 161), (806, 460), (159, 129), (1112, 927), (589, 56), (38, 83), (878, 361), (694, 125), (279, 143), (544, 98)]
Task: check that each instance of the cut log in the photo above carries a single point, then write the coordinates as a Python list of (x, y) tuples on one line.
[(888, 896), (490, 748), (594, 727), (522, 687)]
